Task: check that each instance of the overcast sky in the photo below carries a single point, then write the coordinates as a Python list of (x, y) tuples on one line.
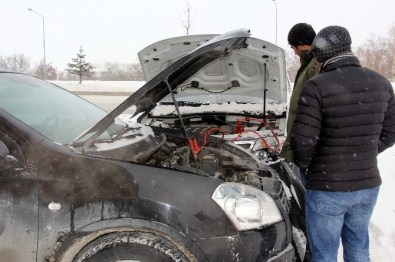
[(115, 30)]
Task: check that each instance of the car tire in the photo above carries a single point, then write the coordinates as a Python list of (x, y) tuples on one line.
[(131, 246)]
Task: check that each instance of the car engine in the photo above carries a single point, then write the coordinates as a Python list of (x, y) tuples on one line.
[(232, 153)]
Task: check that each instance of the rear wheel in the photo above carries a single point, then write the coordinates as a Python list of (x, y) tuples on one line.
[(132, 247)]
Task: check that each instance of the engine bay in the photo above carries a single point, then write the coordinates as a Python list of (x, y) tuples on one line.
[(231, 148)]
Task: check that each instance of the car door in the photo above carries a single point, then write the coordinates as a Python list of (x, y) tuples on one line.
[(18, 199)]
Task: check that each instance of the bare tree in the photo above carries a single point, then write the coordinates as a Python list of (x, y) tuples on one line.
[(80, 66), (16, 62), (136, 72), (391, 51), (66, 75), (293, 64), (111, 72), (366, 53), (186, 20), (378, 54), (121, 72), (39, 71)]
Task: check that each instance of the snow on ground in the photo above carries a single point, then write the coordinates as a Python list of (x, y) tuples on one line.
[(382, 226), (98, 86)]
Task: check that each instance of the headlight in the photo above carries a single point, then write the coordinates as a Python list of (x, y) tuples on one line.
[(246, 206)]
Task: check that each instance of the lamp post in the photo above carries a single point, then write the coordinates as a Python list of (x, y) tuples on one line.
[(45, 63), (274, 1)]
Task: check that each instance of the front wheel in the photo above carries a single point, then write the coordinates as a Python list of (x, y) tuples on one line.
[(131, 246)]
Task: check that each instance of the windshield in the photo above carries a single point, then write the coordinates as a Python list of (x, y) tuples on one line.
[(50, 110)]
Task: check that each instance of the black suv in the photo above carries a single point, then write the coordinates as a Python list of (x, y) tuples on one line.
[(192, 175)]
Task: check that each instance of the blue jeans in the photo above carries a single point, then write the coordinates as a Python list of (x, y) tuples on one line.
[(331, 216)]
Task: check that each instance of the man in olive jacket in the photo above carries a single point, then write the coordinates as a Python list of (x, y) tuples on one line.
[(346, 116), (300, 38)]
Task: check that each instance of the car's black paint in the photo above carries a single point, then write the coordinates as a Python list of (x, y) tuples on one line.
[(59, 198), (93, 190)]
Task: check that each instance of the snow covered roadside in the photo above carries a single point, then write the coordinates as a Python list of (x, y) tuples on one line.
[(382, 225), (100, 86)]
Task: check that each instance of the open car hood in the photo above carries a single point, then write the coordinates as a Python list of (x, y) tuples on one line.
[(240, 75), (234, 67)]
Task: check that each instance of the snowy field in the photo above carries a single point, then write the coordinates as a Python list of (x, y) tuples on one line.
[(382, 227), (101, 86), (105, 94)]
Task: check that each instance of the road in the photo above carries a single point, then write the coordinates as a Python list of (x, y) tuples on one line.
[(107, 103)]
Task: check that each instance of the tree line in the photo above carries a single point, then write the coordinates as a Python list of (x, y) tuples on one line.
[(377, 53), (78, 69)]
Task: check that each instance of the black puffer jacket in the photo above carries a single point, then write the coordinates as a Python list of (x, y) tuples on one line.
[(346, 116)]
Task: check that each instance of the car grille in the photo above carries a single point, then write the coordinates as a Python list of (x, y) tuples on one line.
[(275, 189)]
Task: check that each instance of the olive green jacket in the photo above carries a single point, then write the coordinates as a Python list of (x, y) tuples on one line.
[(307, 70)]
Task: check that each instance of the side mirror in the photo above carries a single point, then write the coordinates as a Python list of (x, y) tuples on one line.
[(7, 161)]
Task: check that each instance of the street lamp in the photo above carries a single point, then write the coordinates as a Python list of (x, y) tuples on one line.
[(274, 1), (45, 63)]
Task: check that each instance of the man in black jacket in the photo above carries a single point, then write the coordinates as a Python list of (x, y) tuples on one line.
[(346, 116)]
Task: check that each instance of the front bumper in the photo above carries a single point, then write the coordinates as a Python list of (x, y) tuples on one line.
[(268, 244), (287, 255)]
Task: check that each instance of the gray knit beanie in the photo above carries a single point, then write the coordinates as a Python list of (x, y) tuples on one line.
[(330, 42)]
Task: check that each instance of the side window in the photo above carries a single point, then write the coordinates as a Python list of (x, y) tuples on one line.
[(11, 155)]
